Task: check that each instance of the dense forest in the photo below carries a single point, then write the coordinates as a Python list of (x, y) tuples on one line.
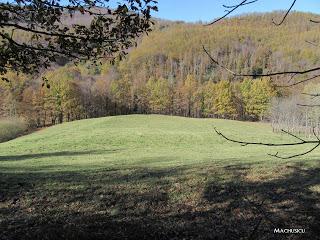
[(169, 73)]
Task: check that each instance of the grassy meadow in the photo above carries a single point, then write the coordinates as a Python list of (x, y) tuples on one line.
[(155, 177)]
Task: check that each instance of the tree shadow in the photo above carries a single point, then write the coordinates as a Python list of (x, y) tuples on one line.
[(63, 212), (143, 203), (258, 207), (55, 154)]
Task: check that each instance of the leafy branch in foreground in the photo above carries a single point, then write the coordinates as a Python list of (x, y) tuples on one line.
[(36, 33), (300, 141)]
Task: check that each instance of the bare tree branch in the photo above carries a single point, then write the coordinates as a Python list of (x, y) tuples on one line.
[(260, 75), (285, 16), (299, 154), (313, 95), (300, 142), (314, 21), (299, 82), (247, 3), (308, 105), (229, 12), (296, 155), (294, 73), (244, 143), (312, 43)]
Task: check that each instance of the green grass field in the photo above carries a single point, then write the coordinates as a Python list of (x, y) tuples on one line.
[(154, 177)]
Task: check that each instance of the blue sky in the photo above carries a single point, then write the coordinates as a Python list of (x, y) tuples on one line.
[(207, 10)]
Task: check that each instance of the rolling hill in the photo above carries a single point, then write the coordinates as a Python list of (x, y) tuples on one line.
[(169, 73), (153, 177)]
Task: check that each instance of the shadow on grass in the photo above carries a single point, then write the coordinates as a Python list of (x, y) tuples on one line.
[(158, 204), (256, 208), (54, 154)]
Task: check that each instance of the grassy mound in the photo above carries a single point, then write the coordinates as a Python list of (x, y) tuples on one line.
[(154, 177)]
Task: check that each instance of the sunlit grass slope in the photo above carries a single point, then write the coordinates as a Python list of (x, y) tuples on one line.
[(140, 141), (151, 177)]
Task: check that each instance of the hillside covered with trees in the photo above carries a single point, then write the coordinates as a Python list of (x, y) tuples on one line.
[(169, 73)]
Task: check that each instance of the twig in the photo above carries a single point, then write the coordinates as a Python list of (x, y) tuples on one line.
[(308, 105), (312, 43), (299, 82), (229, 12), (296, 155), (299, 154), (228, 6), (300, 142), (314, 21), (244, 143), (313, 95), (260, 75), (285, 16)]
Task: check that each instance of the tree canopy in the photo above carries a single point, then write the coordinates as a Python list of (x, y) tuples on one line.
[(36, 33)]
